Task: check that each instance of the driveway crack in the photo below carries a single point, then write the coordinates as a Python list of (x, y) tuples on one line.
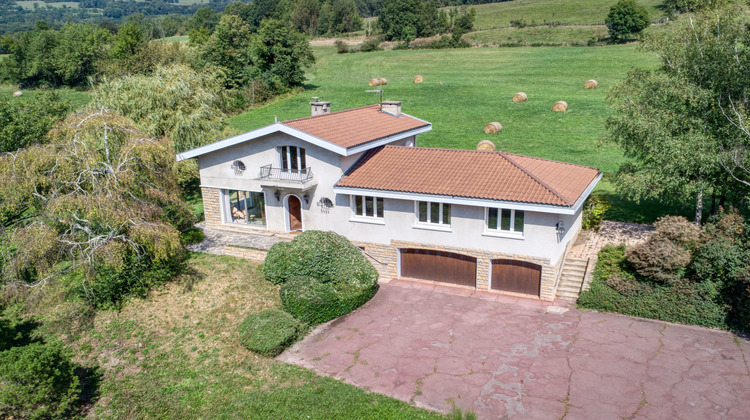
[(566, 401)]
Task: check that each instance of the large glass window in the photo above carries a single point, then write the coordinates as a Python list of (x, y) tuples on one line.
[(434, 213), (293, 158), (247, 207), (368, 206), (505, 220)]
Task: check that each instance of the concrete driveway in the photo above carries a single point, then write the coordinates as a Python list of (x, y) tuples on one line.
[(500, 356)]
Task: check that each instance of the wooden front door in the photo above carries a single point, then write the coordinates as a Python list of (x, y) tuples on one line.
[(516, 276), (445, 267), (295, 214)]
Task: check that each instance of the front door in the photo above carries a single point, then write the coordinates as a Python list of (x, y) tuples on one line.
[(295, 214)]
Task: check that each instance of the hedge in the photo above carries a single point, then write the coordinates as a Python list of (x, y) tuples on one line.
[(38, 381), (324, 256), (314, 302), (269, 332)]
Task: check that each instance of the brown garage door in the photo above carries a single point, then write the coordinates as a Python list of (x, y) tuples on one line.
[(445, 267), (516, 276)]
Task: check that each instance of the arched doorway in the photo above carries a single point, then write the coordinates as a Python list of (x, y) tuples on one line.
[(294, 209)]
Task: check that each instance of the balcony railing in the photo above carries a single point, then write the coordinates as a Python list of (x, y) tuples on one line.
[(280, 174)]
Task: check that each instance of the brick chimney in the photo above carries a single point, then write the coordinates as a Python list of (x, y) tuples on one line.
[(320, 108), (392, 107)]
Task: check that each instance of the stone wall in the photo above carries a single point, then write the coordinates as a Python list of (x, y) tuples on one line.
[(385, 260), (211, 206), (258, 255)]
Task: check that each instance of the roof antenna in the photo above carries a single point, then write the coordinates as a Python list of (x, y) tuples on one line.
[(275, 119), (381, 96)]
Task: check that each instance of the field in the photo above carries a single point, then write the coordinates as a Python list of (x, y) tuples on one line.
[(78, 98), (177, 354), (538, 35), (567, 12), (29, 4)]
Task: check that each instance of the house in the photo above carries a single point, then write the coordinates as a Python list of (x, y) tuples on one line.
[(486, 220)]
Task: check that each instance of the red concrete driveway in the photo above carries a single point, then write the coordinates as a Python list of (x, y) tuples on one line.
[(500, 357)]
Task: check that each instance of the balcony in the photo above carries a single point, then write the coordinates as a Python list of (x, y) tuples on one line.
[(301, 179)]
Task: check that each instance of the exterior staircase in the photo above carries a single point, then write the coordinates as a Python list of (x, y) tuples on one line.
[(572, 278)]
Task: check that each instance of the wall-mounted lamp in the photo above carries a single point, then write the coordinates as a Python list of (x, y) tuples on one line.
[(307, 198), (560, 227), (277, 194)]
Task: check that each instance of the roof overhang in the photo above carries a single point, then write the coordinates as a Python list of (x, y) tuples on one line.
[(282, 128), (474, 202)]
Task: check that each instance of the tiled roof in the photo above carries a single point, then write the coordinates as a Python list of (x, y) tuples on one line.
[(356, 126), (470, 174)]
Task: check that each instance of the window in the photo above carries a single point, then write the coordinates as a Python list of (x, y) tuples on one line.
[(245, 207), (434, 213), (292, 158), (368, 206), (505, 220)]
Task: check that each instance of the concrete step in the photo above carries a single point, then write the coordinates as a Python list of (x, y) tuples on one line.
[(569, 263), (571, 280), (574, 268), (571, 296), (575, 261)]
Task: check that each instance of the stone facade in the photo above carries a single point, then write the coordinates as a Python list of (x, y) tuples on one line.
[(251, 254), (211, 206), (385, 260)]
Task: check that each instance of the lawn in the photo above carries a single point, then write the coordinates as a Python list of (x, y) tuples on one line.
[(78, 98), (177, 354), (538, 35)]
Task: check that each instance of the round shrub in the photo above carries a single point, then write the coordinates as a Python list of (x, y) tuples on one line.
[(324, 256), (37, 381), (269, 332), (192, 236)]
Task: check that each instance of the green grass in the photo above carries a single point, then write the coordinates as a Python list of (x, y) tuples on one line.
[(477, 86), (29, 5), (546, 35), (177, 354), (78, 98), (177, 38), (568, 12)]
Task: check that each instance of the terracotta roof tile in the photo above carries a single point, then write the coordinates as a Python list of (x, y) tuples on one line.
[(356, 126), (471, 174)]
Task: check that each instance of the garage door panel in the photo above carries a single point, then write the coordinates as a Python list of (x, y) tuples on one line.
[(516, 276), (445, 267)]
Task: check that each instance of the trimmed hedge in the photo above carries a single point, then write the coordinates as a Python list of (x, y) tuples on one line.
[(323, 276), (38, 381), (314, 302), (324, 256), (269, 332)]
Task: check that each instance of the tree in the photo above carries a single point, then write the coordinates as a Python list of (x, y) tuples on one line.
[(79, 50), (678, 124), (280, 55), (25, 123), (229, 49), (305, 16), (626, 18), (398, 15), (205, 17), (339, 16), (176, 102), (128, 42), (100, 199)]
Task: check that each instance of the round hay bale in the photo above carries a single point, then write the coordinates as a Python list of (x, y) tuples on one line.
[(519, 97), (486, 146), (17, 93), (374, 82), (418, 79), (492, 128), (590, 84), (560, 106), (382, 81)]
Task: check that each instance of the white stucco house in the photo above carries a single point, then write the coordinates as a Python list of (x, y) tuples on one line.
[(485, 220)]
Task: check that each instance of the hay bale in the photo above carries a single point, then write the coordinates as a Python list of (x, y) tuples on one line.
[(590, 84), (374, 82), (418, 79), (441, 83), (382, 81), (17, 93), (560, 106), (519, 97), (486, 146), (492, 128)]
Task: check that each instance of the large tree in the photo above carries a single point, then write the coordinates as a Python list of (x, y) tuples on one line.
[(402, 19), (626, 18), (280, 55), (681, 124), (23, 123)]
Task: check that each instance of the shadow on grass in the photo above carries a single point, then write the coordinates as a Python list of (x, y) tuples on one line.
[(90, 378)]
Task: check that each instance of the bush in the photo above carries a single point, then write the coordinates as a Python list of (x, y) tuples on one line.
[(341, 47), (191, 236), (370, 45), (269, 332), (664, 256), (310, 300), (626, 18), (593, 212), (38, 381), (324, 256)]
